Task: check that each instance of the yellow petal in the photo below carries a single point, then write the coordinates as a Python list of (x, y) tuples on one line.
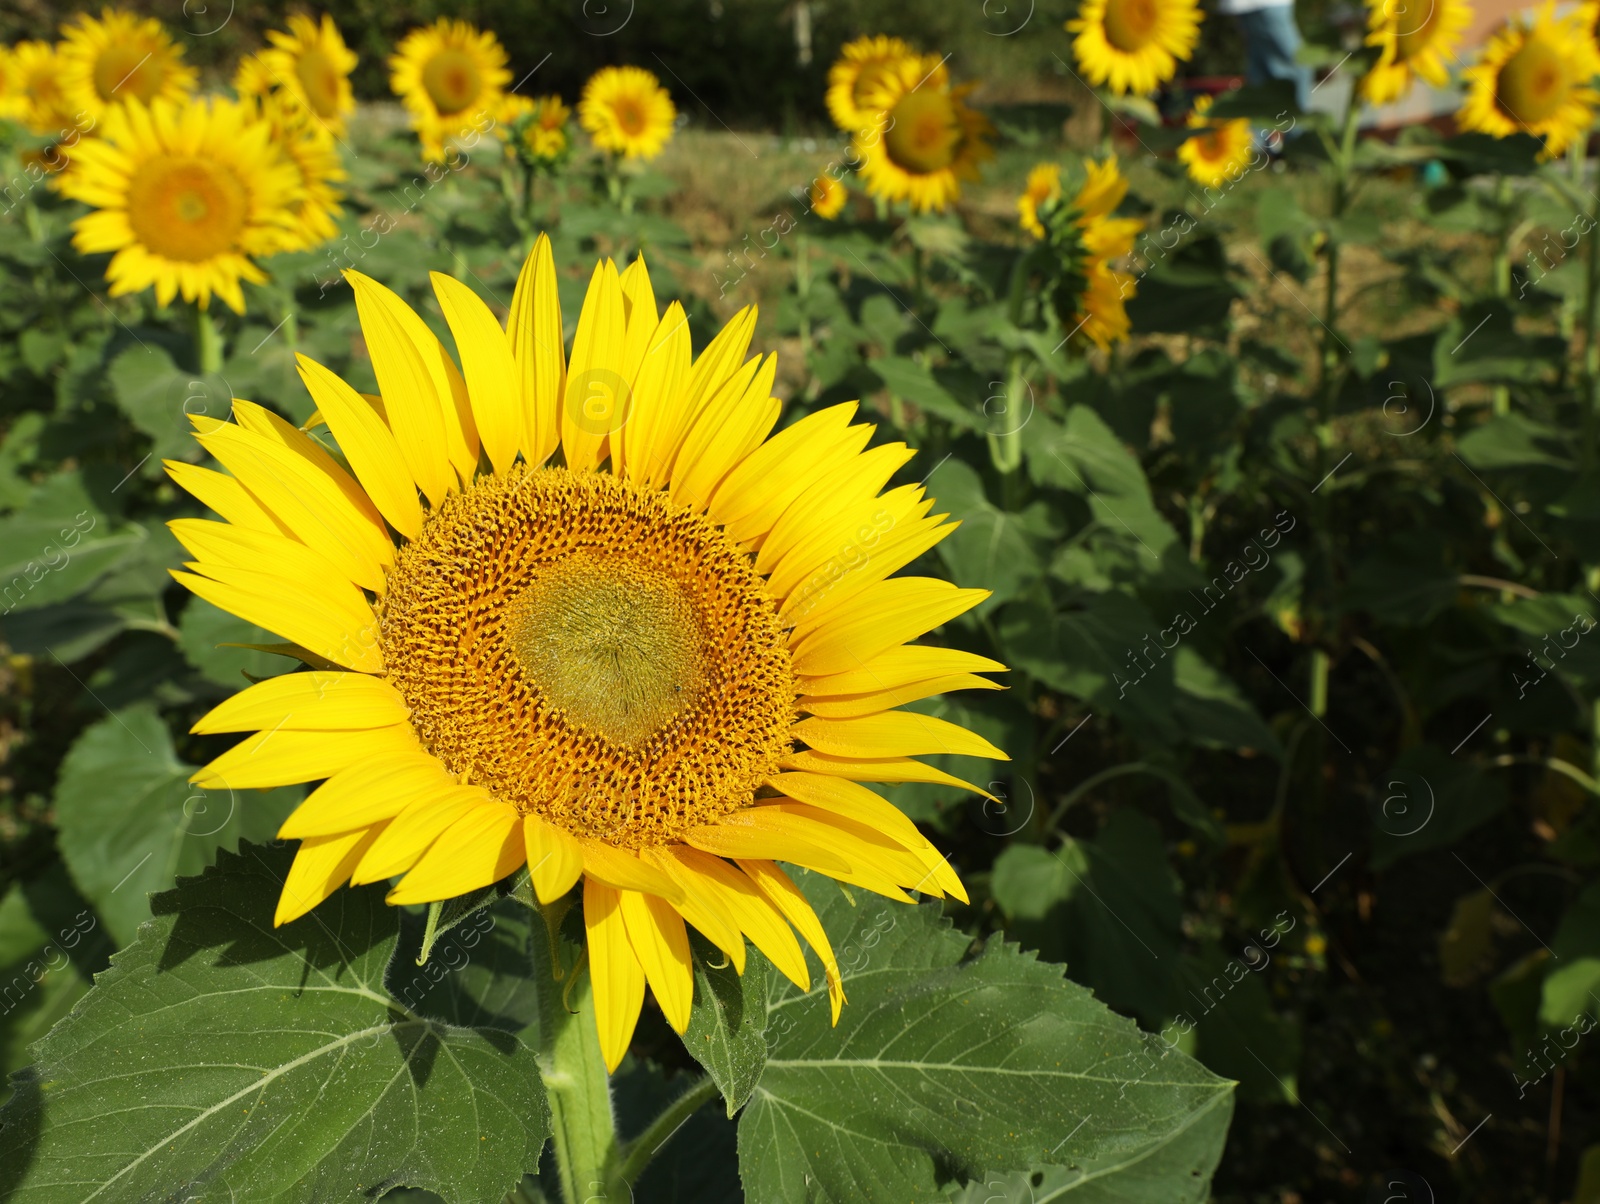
[(534, 328), (321, 866), (308, 702), (660, 943), (624, 869), (555, 859), (763, 486), (330, 515), (898, 666), (720, 360), (270, 552), (824, 594), (850, 705), (224, 495), (597, 399), (416, 827), (649, 437), (783, 894), (614, 971), (732, 425), (877, 861), (890, 613), (267, 602), (758, 833), (262, 421), (366, 793), (639, 306), (848, 546), (411, 397), (488, 366), (848, 798), (893, 734), (701, 909), (280, 758), (369, 445), (818, 510), (879, 769), (479, 849), (737, 897)]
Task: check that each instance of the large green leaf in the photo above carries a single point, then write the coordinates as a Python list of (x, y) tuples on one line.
[(943, 1065), (728, 1021), (130, 822), (993, 549), (223, 1059)]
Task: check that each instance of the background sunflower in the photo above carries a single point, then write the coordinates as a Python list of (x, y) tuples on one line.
[(1534, 77), (450, 76), (627, 112), (1133, 45), (117, 57), (926, 139), (1220, 150), (308, 66), (1416, 40)]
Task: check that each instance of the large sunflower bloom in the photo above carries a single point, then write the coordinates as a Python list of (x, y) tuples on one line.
[(598, 674), (1218, 150), (1534, 78), (450, 76), (627, 112), (309, 67), (119, 56), (187, 198), (853, 78), (1416, 40), (1134, 45), (927, 139), (40, 103)]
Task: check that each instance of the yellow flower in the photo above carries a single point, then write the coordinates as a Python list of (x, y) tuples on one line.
[(593, 665), (853, 78), (188, 197), (828, 197), (1221, 151), (1044, 185), (1416, 39), (1134, 45), (119, 57), (450, 76), (627, 112), (13, 100), (925, 140), (40, 104), (309, 66), (308, 144), (545, 136), (1534, 77)]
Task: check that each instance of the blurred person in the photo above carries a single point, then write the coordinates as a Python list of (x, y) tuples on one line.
[(1271, 40)]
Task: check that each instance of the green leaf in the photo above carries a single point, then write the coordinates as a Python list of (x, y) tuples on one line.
[(1404, 580), (221, 1058), (728, 1021), (1428, 800), (130, 822), (57, 545), (993, 549), (1213, 710), (49, 946), (945, 1065), (1481, 345), (159, 397), (915, 382), (1572, 986)]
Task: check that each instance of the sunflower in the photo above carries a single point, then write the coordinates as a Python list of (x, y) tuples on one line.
[(1134, 45), (1416, 39), (661, 677), (450, 76), (119, 57), (40, 103), (13, 101), (309, 67), (1043, 186), (854, 77), (928, 139), (309, 144), (1533, 78), (187, 198), (538, 130), (1088, 294), (1221, 150), (828, 197), (627, 112)]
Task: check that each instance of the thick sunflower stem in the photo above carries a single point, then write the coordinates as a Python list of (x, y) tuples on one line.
[(207, 343), (638, 1152), (584, 1132)]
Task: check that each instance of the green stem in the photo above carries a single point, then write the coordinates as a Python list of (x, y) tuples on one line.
[(1106, 775), (636, 1155), (207, 343), (1319, 682), (1005, 448), (583, 1130)]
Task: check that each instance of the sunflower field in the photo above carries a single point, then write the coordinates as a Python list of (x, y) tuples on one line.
[(791, 602)]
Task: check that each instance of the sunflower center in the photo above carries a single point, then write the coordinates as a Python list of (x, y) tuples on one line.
[(923, 134), (451, 80), (320, 79), (1130, 24), (124, 71), (1533, 83), (590, 653), (187, 209), (629, 114), (1415, 33)]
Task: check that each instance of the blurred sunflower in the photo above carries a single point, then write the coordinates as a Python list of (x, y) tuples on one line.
[(309, 66), (930, 138), (308, 144), (116, 57), (1043, 187), (1134, 45), (627, 112), (828, 197), (540, 136), (41, 104), (1416, 40), (187, 197), (1088, 294), (1534, 77), (450, 76), (852, 79), (1219, 150), (13, 101), (597, 674)]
